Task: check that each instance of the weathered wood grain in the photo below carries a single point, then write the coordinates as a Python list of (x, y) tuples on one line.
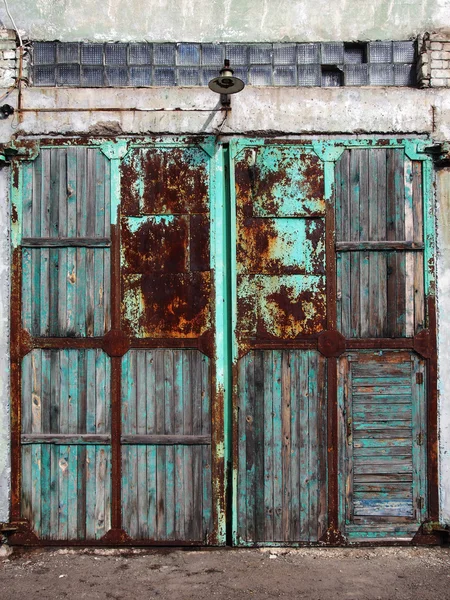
[(282, 446), (382, 460)]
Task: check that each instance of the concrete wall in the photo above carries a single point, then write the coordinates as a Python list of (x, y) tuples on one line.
[(255, 111), (4, 350), (443, 273), (226, 20)]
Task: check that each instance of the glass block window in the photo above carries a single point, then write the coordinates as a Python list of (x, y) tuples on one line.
[(188, 54), (284, 54), (139, 54), (332, 53), (143, 64), (308, 54), (92, 54)]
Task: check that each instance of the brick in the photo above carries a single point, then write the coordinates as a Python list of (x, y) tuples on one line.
[(437, 64), (9, 54), (439, 83), (436, 46), (424, 58), (5, 45), (441, 55), (8, 34), (440, 73)]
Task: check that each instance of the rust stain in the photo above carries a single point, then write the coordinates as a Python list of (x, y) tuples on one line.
[(159, 305), (14, 215), (255, 182), (302, 314), (157, 245), (165, 181)]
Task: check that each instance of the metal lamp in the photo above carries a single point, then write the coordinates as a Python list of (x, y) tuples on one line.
[(226, 83)]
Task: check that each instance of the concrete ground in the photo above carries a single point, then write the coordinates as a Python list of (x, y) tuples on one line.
[(314, 574)]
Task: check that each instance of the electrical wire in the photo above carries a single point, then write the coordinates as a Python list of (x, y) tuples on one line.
[(14, 24)]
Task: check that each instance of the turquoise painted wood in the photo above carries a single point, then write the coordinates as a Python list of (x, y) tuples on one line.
[(66, 490), (382, 441), (66, 290), (282, 447), (379, 199), (166, 482), (66, 472)]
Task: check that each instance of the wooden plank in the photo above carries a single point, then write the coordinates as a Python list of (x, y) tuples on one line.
[(375, 323), (80, 315), (167, 440), (419, 293), (64, 438), (72, 496), (45, 468), (249, 391), (92, 288), (151, 488), (53, 199), (277, 445), (81, 492), (364, 295), (312, 432), (63, 485), (286, 444), (81, 178), (322, 448), (259, 443), (377, 246), (303, 388), (294, 358), (268, 447)]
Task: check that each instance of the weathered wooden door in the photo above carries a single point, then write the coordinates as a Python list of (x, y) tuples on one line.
[(183, 309), (334, 341), (117, 414)]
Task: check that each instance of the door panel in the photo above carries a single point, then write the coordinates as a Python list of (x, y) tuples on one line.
[(382, 402), (282, 446), (66, 435), (379, 234), (280, 295), (118, 346), (166, 462)]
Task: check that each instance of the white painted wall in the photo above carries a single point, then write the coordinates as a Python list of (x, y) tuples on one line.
[(443, 280), (226, 20), (4, 348)]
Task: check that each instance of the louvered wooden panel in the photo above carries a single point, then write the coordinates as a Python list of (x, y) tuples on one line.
[(383, 442), (380, 292), (282, 446), (166, 456)]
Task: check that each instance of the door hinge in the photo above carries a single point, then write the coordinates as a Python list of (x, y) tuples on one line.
[(420, 503), (419, 439), (419, 377)]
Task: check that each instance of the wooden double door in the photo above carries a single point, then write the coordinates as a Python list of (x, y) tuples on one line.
[(221, 341)]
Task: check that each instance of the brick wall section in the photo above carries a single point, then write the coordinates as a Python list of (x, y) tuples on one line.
[(433, 66), (9, 58)]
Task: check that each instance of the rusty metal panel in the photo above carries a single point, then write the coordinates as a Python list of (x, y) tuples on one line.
[(165, 231), (277, 181), (165, 181), (280, 236)]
